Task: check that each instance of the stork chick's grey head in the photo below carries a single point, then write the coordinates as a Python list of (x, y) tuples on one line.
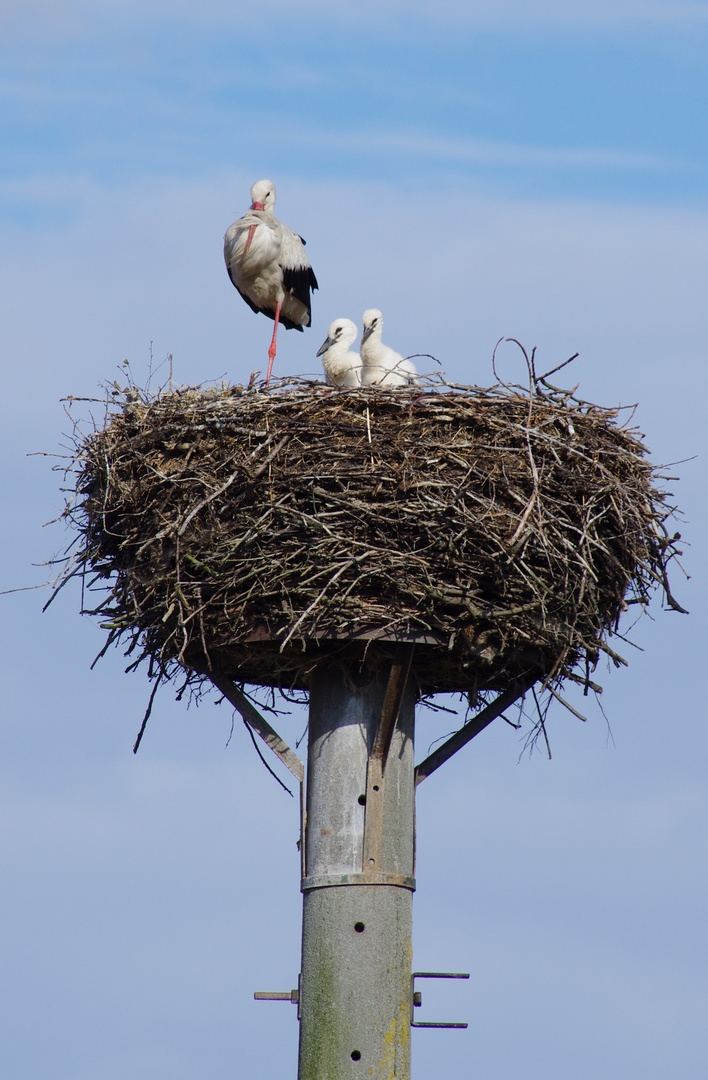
[(372, 321), (263, 195), (341, 332)]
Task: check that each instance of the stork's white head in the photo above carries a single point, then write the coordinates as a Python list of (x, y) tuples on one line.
[(341, 332), (263, 195), (372, 321)]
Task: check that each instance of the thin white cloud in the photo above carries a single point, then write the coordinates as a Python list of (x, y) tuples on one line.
[(480, 151)]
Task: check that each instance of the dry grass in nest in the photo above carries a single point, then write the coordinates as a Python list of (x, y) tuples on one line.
[(253, 533)]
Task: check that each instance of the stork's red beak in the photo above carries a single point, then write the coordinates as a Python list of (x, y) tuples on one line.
[(258, 206)]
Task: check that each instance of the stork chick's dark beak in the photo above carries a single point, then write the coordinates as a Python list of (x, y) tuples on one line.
[(368, 331), (324, 346)]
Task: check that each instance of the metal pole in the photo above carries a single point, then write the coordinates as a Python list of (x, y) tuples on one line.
[(355, 984)]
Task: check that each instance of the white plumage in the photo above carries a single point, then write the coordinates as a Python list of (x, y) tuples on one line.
[(342, 366), (382, 366), (266, 262)]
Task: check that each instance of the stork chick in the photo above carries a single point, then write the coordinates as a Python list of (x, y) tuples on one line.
[(342, 367), (382, 366), (266, 262)]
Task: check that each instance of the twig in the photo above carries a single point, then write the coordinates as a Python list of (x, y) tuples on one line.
[(147, 714)]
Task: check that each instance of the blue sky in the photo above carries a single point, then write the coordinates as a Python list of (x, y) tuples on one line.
[(536, 170), (548, 107)]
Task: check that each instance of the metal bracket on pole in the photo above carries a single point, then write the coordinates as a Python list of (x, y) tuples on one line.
[(393, 698), (267, 995), (373, 815), (469, 730), (327, 881), (416, 997), (271, 738), (259, 724)]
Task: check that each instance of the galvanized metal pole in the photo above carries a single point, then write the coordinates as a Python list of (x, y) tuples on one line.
[(355, 984)]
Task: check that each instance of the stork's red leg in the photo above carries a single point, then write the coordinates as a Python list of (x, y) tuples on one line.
[(271, 350)]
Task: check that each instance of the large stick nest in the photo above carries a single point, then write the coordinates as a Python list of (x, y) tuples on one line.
[(254, 533)]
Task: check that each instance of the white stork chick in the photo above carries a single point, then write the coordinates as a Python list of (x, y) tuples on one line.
[(382, 366), (266, 262), (342, 366)]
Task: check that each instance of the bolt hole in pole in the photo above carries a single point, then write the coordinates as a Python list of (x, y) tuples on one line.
[(362, 800), (359, 927), (356, 1055)]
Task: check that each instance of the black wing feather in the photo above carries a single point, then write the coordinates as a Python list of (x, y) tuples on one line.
[(298, 281)]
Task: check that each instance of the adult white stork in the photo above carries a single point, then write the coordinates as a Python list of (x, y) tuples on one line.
[(266, 261), (342, 366), (382, 366)]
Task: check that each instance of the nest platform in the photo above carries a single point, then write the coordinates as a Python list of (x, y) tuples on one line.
[(255, 533)]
